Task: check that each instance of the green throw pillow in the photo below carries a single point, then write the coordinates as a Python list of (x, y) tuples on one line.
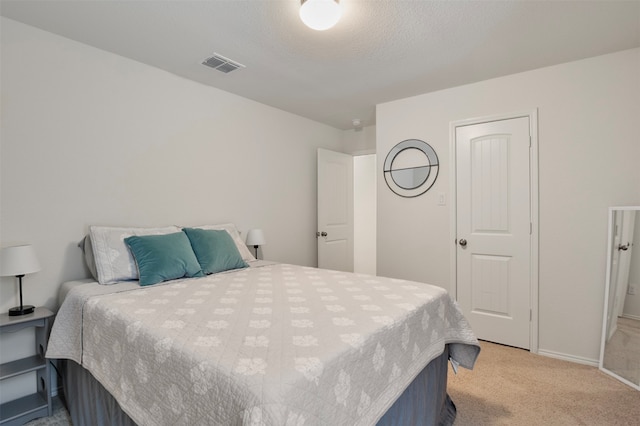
[(163, 257), (215, 250)]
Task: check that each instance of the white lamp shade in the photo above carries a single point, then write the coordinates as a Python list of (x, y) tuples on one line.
[(18, 260), (320, 14), (255, 237)]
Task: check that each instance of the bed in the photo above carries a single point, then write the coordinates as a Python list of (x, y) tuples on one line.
[(263, 344)]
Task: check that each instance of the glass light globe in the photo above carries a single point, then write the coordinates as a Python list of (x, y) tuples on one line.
[(320, 14)]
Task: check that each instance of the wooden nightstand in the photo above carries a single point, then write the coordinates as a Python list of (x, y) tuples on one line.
[(38, 404)]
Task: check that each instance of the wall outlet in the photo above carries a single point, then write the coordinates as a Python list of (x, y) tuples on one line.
[(632, 289)]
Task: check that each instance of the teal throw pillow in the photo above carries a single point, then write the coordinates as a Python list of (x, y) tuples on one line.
[(215, 250), (163, 257)]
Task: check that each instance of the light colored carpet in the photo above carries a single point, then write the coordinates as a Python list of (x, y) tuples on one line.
[(512, 387)]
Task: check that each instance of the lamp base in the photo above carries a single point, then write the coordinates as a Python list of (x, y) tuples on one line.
[(21, 310)]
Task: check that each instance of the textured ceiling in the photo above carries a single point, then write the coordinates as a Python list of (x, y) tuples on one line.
[(379, 51)]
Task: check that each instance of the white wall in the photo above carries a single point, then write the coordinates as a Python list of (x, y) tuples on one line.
[(359, 141), (364, 212), (89, 137), (589, 112)]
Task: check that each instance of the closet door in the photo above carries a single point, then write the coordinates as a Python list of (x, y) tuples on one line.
[(493, 227)]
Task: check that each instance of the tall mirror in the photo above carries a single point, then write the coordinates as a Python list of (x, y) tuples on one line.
[(620, 350)]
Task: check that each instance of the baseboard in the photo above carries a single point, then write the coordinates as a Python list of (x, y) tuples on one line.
[(633, 317), (570, 358)]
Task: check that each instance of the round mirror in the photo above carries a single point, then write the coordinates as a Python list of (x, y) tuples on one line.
[(411, 168)]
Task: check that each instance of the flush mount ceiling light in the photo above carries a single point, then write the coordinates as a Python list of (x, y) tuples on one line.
[(320, 14)]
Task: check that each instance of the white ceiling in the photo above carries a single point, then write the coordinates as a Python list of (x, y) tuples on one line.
[(379, 51)]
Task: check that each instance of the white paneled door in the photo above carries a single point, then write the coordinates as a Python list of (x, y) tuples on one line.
[(493, 229), (335, 211)]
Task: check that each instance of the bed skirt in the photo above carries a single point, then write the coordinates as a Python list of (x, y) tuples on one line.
[(425, 402)]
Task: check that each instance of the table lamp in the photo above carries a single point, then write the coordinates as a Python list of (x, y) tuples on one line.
[(18, 261), (255, 238)]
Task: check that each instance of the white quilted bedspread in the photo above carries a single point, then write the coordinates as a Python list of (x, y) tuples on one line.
[(275, 345)]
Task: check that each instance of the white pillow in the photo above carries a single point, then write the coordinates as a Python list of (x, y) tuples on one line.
[(113, 259), (233, 231)]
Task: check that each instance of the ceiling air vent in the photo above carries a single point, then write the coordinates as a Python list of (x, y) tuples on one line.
[(222, 64)]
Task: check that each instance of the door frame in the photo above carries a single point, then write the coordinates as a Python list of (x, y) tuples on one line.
[(534, 195)]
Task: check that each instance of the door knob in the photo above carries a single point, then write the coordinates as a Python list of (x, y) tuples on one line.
[(623, 247), (463, 242), (321, 234)]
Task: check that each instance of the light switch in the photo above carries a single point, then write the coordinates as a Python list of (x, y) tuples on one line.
[(442, 199)]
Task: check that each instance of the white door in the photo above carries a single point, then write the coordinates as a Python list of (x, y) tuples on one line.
[(335, 211), (493, 227)]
